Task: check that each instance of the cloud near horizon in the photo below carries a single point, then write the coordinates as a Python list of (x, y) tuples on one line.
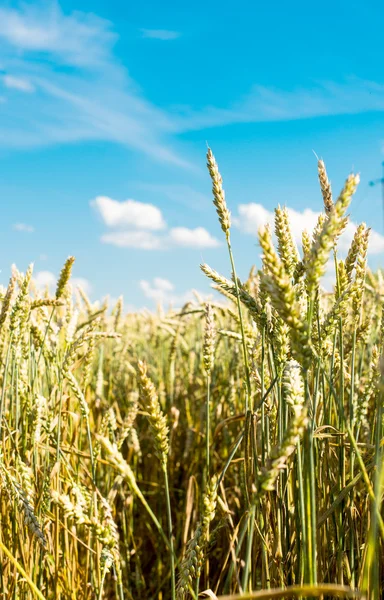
[(252, 216), (47, 279), (133, 224)]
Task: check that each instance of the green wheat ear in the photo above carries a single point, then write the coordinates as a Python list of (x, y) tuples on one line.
[(288, 251), (328, 235), (156, 417), (64, 276), (209, 339)]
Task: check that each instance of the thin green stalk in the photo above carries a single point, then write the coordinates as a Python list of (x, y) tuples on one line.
[(45, 337), (207, 429), (262, 377), (265, 562), (352, 458), (232, 454), (304, 548), (170, 531), (241, 538), (371, 582), (100, 594), (4, 387), (359, 459), (57, 509), (248, 555), (310, 495), (243, 340)]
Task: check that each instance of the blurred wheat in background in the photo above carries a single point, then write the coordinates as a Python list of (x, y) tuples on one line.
[(233, 446)]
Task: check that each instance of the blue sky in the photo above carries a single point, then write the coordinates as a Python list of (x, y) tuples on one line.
[(106, 109)]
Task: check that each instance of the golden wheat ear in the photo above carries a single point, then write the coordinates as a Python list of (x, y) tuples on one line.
[(157, 419), (218, 193), (325, 186)]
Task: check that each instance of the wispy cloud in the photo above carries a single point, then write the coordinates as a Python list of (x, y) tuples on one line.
[(83, 92), (143, 240), (17, 83), (23, 227), (92, 98), (262, 104), (46, 29), (133, 225), (160, 34)]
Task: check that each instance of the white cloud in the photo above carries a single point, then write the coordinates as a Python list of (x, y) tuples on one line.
[(17, 83), (163, 284), (376, 242), (160, 34), (144, 240), (134, 222), (181, 237), (155, 292), (82, 283), (23, 227), (189, 238), (47, 279), (163, 291), (252, 216), (129, 213)]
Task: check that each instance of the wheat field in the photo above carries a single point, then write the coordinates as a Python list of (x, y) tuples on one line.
[(230, 448)]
